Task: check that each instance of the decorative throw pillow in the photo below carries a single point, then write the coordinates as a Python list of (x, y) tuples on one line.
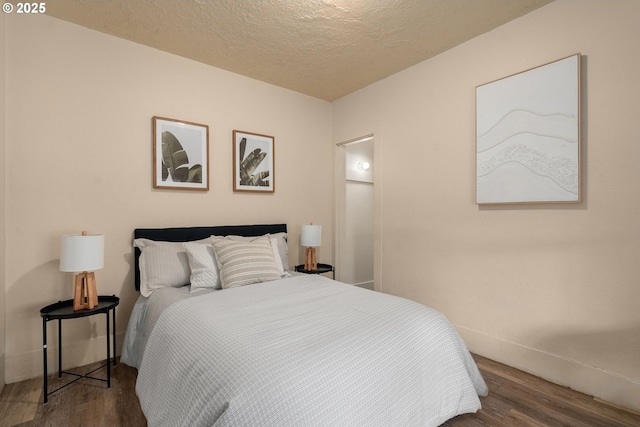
[(242, 262), (204, 269), (283, 246), (162, 264)]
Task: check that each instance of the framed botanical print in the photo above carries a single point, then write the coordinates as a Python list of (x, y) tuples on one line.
[(180, 154), (253, 162)]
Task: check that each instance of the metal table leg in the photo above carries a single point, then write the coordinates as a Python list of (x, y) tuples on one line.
[(59, 348), (108, 354), (114, 336), (44, 356)]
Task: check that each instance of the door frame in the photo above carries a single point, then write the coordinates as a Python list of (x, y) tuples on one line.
[(341, 203)]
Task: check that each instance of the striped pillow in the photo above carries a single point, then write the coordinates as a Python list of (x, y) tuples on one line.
[(245, 262)]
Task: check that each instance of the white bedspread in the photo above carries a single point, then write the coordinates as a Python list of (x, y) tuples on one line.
[(304, 351), (144, 315)]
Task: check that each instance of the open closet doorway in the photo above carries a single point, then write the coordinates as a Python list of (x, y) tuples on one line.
[(355, 240)]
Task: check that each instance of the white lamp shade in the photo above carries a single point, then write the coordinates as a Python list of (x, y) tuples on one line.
[(311, 236), (82, 253)]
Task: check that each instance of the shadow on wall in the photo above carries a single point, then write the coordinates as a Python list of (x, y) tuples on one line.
[(127, 293), (44, 285), (41, 286), (619, 348), (613, 352)]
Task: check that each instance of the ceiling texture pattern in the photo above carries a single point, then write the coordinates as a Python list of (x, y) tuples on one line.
[(323, 48)]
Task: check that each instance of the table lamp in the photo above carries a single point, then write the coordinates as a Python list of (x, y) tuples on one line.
[(81, 254), (311, 237)]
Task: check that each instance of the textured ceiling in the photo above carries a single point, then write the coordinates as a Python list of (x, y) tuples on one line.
[(323, 48)]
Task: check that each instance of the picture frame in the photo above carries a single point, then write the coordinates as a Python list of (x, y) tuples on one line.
[(253, 162), (180, 155), (528, 136)]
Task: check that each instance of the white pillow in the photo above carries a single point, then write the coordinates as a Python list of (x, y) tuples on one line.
[(243, 262), (276, 255), (204, 269), (283, 249), (162, 264)]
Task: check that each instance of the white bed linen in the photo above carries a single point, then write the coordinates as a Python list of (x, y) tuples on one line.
[(304, 351), (144, 315)]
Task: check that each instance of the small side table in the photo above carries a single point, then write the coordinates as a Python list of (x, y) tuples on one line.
[(322, 268), (64, 310)]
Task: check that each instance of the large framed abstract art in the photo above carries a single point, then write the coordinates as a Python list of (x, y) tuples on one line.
[(528, 147)]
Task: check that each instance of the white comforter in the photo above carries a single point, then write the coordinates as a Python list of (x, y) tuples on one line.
[(304, 351)]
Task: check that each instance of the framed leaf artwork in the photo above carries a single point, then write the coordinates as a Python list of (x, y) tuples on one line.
[(180, 154), (253, 162)]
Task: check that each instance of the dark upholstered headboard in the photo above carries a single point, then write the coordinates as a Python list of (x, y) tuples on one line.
[(186, 234)]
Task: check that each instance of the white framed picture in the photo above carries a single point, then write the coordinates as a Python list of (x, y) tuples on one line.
[(528, 146)]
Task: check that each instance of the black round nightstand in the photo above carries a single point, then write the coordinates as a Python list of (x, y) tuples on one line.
[(64, 310), (322, 268)]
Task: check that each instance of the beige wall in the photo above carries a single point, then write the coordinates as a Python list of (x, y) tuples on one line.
[(553, 290), (550, 289), (79, 109), (3, 271)]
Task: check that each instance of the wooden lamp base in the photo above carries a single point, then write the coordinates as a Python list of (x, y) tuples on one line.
[(310, 262), (85, 295)]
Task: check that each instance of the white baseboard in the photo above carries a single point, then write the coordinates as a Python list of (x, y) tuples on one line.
[(2, 371), (24, 366), (603, 384), (366, 285)]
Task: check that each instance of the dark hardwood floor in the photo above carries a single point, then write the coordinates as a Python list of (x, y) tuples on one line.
[(520, 399), (83, 403), (515, 399)]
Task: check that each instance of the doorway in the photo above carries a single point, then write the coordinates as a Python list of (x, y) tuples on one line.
[(355, 248)]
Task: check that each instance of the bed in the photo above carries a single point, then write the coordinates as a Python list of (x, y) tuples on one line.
[(253, 344)]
